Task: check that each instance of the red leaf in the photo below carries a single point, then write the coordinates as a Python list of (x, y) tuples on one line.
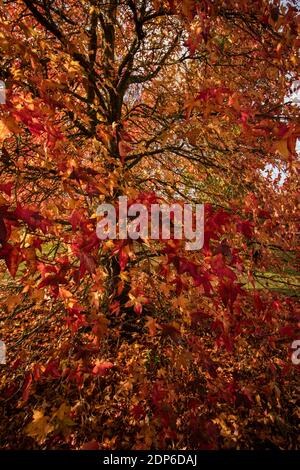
[(91, 445), (205, 282), (52, 280), (199, 318), (12, 258), (138, 308), (52, 370), (221, 270), (87, 263), (245, 228), (76, 219), (288, 330), (123, 258), (32, 218), (16, 363), (158, 393), (138, 412), (27, 386), (36, 372), (229, 292), (247, 393), (6, 188), (3, 231)]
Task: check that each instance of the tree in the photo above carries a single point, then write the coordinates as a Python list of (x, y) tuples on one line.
[(140, 344)]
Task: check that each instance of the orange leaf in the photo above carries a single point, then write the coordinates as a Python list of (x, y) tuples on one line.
[(101, 368)]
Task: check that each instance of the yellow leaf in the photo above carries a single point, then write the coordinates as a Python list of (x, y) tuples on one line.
[(3, 201), (40, 427), (282, 147), (10, 124), (64, 293), (4, 131), (12, 301), (62, 415), (152, 326)]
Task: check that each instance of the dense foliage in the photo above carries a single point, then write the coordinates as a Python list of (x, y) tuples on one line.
[(124, 344)]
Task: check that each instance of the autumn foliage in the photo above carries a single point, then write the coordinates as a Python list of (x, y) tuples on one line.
[(123, 344)]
